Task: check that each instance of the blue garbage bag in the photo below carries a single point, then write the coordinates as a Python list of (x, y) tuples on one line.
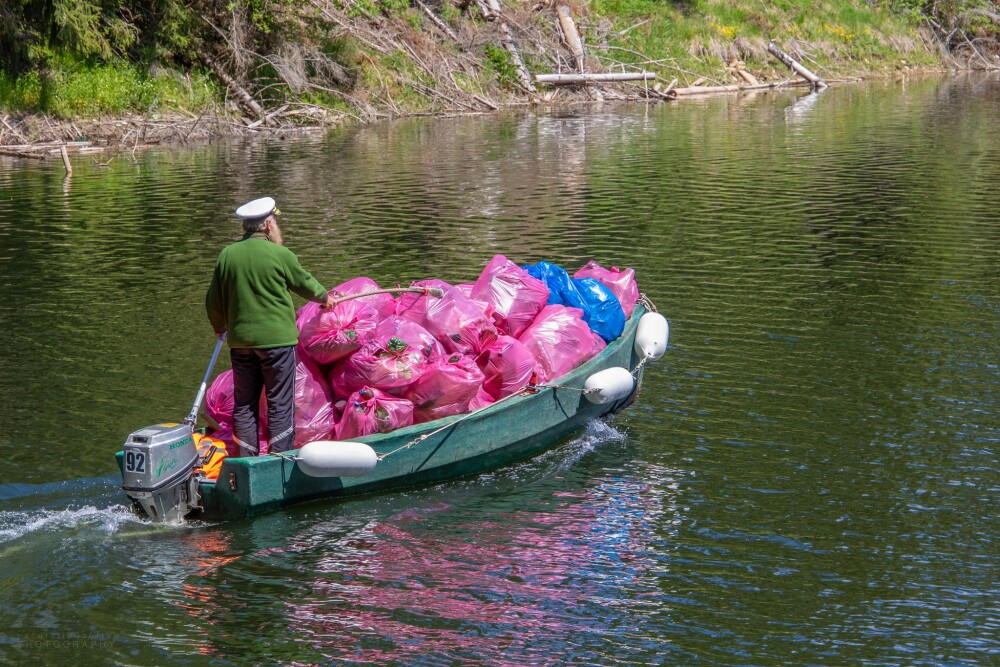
[(561, 287), (601, 308), (603, 311)]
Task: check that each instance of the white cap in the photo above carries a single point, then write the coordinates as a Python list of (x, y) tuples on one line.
[(258, 208)]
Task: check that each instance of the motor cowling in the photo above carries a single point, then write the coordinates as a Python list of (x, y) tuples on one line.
[(158, 471)]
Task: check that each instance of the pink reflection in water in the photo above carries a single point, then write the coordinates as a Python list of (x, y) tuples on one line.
[(503, 592), (440, 585)]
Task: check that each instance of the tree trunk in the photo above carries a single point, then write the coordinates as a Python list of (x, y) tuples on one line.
[(794, 65), (570, 79), (522, 71), (244, 97), (572, 37)]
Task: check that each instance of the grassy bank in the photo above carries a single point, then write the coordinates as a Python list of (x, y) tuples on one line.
[(276, 62), (74, 90), (705, 38)]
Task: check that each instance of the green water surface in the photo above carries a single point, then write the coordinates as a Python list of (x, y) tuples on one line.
[(809, 476)]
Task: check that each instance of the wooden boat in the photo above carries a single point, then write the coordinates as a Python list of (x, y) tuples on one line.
[(515, 428)]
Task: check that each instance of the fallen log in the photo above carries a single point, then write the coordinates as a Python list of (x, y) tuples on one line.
[(33, 156), (737, 68), (66, 163), (712, 90), (708, 90), (575, 79), (522, 70), (572, 37), (796, 67), (47, 146), (441, 25), (244, 97)]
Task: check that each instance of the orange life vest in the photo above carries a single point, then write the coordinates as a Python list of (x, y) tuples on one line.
[(211, 454)]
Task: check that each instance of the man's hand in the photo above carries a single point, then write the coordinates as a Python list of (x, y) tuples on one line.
[(329, 303)]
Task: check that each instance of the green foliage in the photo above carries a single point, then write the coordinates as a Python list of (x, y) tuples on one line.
[(104, 89), (258, 11), (414, 19), (449, 12), (373, 7), (341, 49), (704, 36), (500, 64), (71, 57)]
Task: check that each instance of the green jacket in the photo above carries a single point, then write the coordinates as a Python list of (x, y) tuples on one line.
[(249, 296)]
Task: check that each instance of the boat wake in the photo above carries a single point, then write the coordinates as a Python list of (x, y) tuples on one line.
[(15, 525), (560, 459), (597, 434), (67, 507)]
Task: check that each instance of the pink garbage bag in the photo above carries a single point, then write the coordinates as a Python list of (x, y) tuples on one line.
[(335, 333), (560, 341), (305, 313), (413, 306), (621, 283), (396, 356), (458, 322), (315, 417), (219, 400), (446, 388), (219, 404), (514, 295), (481, 400), (466, 289), (507, 365), (415, 335), (369, 410), (384, 304)]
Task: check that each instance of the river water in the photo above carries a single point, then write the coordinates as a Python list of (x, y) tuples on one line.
[(809, 476)]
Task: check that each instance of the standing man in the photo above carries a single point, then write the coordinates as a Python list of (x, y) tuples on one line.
[(250, 298)]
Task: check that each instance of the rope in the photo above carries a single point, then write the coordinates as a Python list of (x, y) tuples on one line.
[(646, 302), (564, 386), (523, 391)]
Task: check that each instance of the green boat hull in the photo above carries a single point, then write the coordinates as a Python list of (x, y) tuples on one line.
[(498, 435)]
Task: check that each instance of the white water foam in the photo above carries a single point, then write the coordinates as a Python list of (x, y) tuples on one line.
[(597, 433), (15, 524), (558, 460)]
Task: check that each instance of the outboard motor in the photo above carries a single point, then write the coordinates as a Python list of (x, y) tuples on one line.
[(158, 466), (158, 471)]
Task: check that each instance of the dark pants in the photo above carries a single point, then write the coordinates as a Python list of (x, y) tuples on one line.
[(272, 370)]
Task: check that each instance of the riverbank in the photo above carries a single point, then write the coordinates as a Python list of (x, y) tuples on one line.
[(328, 62)]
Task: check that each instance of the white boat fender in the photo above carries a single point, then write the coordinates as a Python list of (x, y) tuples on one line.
[(609, 385), (651, 336), (333, 458)]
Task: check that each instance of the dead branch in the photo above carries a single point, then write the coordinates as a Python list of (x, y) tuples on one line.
[(795, 66), (574, 79), (522, 71), (441, 25), (246, 98), (571, 36)]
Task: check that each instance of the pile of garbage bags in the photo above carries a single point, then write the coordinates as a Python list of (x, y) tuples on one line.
[(377, 363)]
